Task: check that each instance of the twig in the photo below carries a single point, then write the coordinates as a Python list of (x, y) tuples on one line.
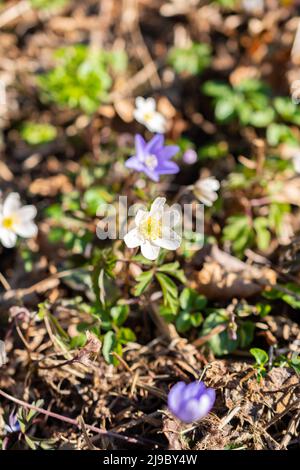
[(13, 12), (74, 422)]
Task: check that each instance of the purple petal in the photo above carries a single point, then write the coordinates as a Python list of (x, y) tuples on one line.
[(152, 174), (134, 163), (155, 144), (140, 146), (206, 402), (189, 411), (168, 152), (167, 168), (193, 390), (175, 397)]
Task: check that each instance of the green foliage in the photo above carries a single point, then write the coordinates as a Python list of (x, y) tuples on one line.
[(244, 232), (248, 102), (191, 60), (26, 419), (94, 197), (288, 293), (279, 134), (191, 304), (287, 110), (214, 151), (116, 335), (240, 232), (37, 133), (261, 358), (163, 275), (48, 4), (82, 78), (224, 342)]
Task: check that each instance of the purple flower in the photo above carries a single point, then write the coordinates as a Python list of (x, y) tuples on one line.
[(14, 425), (190, 157), (153, 158), (191, 402)]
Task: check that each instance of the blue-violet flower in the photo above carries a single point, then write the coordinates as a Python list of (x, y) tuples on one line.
[(153, 157), (191, 402)]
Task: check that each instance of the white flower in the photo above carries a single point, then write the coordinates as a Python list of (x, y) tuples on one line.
[(206, 190), (146, 114), (253, 6), (153, 230), (16, 220), (296, 161)]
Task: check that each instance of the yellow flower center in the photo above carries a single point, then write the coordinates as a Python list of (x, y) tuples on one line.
[(148, 116), (8, 222), (151, 228)]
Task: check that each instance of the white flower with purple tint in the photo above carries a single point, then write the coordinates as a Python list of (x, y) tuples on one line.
[(154, 230), (15, 220), (191, 402), (153, 158), (206, 190), (190, 157), (145, 113)]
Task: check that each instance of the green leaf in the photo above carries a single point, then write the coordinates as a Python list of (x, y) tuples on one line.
[(109, 345), (262, 118), (126, 335), (263, 235), (144, 279), (192, 60), (35, 133), (219, 343), (183, 322), (94, 197), (119, 314), (217, 89), (224, 109), (169, 290), (190, 300), (260, 356)]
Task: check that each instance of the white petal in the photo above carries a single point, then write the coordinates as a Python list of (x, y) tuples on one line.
[(170, 240), (139, 116), (26, 213), (157, 123), (139, 102), (210, 183), (133, 238), (11, 204), (157, 205), (140, 216), (26, 229), (296, 162), (149, 250), (172, 217), (8, 238), (149, 105)]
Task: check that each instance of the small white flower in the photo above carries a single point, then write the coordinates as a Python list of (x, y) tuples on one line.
[(154, 230), (16, 220), (145, 113), (253, 6), (206, 190), (296, 161)]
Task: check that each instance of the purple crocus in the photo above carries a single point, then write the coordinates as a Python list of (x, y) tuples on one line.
[(191, 402), (153, 157)]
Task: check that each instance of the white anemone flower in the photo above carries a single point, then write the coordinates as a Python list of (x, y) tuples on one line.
[(206, 190), (154, 230), (15, 220), (145, 113)]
